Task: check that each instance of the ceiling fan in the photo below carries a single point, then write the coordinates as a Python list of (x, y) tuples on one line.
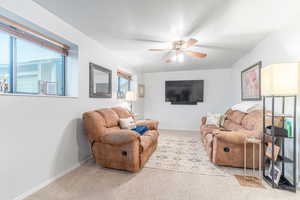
[(180, 48)]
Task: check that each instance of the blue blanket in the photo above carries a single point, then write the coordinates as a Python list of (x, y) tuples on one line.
[(140, 129)]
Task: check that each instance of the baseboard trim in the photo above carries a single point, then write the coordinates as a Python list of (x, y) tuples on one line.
[(171, 129), (47, 182)]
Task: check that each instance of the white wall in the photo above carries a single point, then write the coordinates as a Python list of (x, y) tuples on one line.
[(282, 46), (279, 47), (217, 84), (42, 137)]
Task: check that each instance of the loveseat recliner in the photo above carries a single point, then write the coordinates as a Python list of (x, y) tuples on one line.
[(225, 145), (118, 148)]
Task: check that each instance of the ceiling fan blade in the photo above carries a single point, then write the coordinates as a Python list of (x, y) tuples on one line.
[(219, 48), (191, 42), (148, 40), (196, 54), (159, 49)]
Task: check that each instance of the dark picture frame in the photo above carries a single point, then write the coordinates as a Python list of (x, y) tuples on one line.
[(251, 83), (100, 82), (276, 174), (141, 90), (269, 151)]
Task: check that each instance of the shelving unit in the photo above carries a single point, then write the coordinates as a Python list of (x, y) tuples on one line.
[(282, 159), (280, 115)]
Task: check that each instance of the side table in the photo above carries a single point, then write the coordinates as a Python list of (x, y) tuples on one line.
[(254, 142)]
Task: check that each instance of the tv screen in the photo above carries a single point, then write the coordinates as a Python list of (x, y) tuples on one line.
[(184, 92)]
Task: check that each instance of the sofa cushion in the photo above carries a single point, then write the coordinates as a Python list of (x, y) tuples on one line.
[(253, 120), (213, 119), (120, 137), (236, 116), (112, 129), (230, 125), (111, 118), (127, 123), (95, 125), (122, 112)]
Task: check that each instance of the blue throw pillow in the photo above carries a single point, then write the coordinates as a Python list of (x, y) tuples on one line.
[(140, 129)]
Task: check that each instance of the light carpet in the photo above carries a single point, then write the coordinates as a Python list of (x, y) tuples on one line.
[(92, 182), (183, 153)]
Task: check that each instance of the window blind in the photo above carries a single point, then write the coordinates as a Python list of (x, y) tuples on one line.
[(124, 75), (13, 28)]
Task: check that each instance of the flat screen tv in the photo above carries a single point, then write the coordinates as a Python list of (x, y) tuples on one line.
[(184, 92)]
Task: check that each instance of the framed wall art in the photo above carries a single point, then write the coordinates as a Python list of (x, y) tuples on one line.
[(141, 91), (250, 83)]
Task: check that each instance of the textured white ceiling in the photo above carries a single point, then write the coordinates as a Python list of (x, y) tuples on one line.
[(226, 29)]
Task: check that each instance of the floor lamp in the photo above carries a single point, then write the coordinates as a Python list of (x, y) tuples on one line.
[(281, 81), (130, 97)]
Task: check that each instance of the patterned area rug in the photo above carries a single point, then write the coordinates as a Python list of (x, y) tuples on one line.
[(183, 154)]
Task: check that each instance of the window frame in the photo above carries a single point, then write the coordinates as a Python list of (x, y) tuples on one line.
[(13, 67), (126, 77)]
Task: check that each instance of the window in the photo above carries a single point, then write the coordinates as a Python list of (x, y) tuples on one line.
[(30, 65), (124, 80), (36, 65), (4, 63)]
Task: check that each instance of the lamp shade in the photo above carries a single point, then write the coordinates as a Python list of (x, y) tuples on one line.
[(280, 79), (130, 96)]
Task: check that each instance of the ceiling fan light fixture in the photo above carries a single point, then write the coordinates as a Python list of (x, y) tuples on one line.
[(181, 48), (180, 58), (174, 58)]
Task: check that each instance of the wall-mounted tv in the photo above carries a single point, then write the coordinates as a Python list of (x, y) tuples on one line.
[(186, 92)]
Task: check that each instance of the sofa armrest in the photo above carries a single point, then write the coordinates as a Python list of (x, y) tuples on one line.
[(203, 120), (150, 124), (220, 131), (234, 137), (120, 137)]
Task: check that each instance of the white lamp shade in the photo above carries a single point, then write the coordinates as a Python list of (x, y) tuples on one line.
[(130, 96), (280, 79)]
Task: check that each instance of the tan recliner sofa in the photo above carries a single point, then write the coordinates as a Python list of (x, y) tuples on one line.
[(118, 148), (225, 145)]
